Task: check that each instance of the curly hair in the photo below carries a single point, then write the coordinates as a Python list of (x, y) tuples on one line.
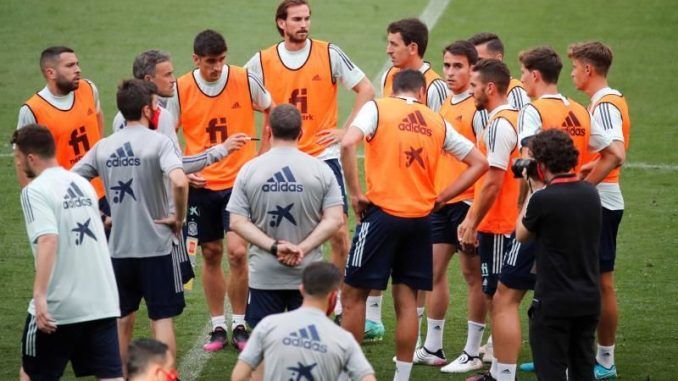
[(555, 150)]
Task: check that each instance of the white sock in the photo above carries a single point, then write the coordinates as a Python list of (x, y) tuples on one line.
[(474, 336), (338, 309), (403, 370), (237, 320), (373, 310), (493, 368), (434, 334), (218, 321), (605, 356), (420, 317), (505, 372)]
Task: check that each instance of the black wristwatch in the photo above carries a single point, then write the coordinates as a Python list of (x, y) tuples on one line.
[(274, 248)]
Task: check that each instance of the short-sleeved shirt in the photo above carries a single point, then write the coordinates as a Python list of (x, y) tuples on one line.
[(82, 285), (343, 70), (566, 219), (436, 93), (304, 345), (501, 139), (284, 192), (517, 96), (132, 164)]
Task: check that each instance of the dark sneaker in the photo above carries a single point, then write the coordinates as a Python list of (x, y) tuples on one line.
[(217, 341), (481, 377), (240, 337)]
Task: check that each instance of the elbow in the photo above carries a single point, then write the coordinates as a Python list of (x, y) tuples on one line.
[(366, 89)]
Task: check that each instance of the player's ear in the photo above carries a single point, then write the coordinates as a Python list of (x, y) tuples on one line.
[(301, 286), (413, 48), (196, 59)]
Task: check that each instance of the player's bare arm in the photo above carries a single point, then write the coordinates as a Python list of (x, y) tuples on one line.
[(349, 162)]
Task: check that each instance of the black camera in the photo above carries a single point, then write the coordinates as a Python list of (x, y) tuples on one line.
[(529, 166)]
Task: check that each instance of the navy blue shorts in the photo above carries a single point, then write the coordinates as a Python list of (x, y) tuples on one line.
[(91, 347), (207, 218), (262, 303), (518, 270), (180, 255), (156, 279), (335, 166), (444, 223), (492, 248), (388, 246), (105, 208), (608, 239)]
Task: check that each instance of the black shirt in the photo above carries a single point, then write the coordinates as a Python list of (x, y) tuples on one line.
[(566, 219)]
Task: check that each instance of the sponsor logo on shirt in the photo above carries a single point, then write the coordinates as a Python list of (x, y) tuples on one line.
[(299, 99), (123, 157), (414, 155), (79, 143), (414, 122), (123, 188), (572, 126), (83, 231), (217, 126), (302, 372), (282, 181), (307, 338), (75, 198), (280, 214)]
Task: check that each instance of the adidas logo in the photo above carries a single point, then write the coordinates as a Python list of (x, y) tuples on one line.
[(89, 111), (458, 118), (572, 126), (414, 122), (506, 371), (282, 181), (74, 197), (317, 77), (123, 157), (436, 328), (306, 338), (236, 105)]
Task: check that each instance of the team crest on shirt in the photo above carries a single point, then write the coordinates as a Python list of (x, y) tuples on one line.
[(192, 228)]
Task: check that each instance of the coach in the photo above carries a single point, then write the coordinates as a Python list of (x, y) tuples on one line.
[(564, 218)]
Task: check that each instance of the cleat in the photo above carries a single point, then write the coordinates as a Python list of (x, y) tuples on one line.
[(218, 339), (373, 331), (425, 357), (526, 367), (482, 377), (462, 364), (602, 373), (240, 337)]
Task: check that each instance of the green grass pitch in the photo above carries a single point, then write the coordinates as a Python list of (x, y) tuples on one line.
[(107, 36)]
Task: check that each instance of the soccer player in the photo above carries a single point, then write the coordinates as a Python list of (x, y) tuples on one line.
[(304, 343), (212, 102), (406, 45), (150, 360), (460, 111), (75, 303), (133, 163), (404, 139), (489, 45), (69, 107), (591, 62), (296, 71), (283, 196), (490, 222)]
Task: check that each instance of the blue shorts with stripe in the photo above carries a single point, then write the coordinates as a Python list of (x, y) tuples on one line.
[(492, 248), (444, 222), (388, 246), (261, 303), (335, 166), (207, 218), (518, 269)]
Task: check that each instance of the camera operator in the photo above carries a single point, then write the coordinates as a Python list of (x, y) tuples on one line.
[(564, 219)]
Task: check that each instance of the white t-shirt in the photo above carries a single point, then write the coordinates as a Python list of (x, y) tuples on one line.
[(82, 284), (518, 98), (368, 118), (529, 124), (436, 94), (343, 70), (500, 140), (261, 98), (609, 116), (64, 103)]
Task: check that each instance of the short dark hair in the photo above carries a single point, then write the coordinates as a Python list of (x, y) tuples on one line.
[(554, 149), (281, 12), (145, 63), (285, 121), (34, 139), (143, 352), (320, 278), (133, 95), (595, 53), (411, 30), (543, 59), (52, 54), (493, 41), (495, 71), (463, 48), (408, 80), (209, 43)]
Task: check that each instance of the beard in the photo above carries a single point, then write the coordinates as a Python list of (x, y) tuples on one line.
[(295, 37), (65, 86)]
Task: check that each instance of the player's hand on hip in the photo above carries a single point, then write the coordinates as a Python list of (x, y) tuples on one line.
[(330, 136), (468, 237), (196, 181), (359, 204), (44, 320), (235, 142), (171, 222)]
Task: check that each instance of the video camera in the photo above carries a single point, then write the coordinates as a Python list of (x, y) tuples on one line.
[(529, 166)]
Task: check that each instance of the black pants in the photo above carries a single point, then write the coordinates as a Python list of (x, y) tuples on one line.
[(560, 343)]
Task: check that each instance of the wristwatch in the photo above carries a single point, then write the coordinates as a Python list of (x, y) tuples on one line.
[(274, 248)]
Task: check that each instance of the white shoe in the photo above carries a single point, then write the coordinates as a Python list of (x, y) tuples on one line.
[(425, 357), (488, 356), (462, 364)]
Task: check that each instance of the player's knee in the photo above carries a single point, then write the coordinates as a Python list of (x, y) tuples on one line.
[(237, 256), (471, 277)]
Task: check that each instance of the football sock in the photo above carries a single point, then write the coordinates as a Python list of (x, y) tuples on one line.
[(238, 320), (434, 334), (373, 311), (420, 317), (505, 372), (474, 336), (605, 356), (403, 370), (218, 321)]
